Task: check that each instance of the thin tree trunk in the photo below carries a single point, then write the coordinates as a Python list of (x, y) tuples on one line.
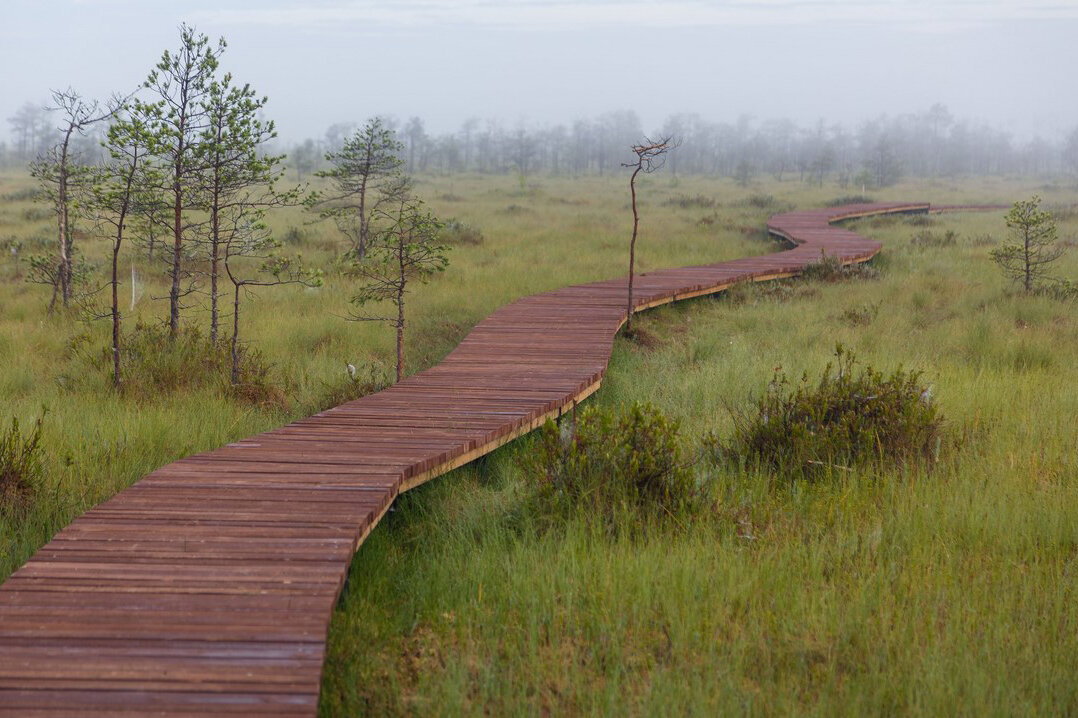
[(632, 252), (177, 239), (235, 334), (363, 227), (116, 306), (214, 262), (1029, 268), (64, 275), (400, 313)]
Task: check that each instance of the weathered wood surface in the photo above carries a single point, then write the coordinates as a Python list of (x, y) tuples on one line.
[(207, 587)]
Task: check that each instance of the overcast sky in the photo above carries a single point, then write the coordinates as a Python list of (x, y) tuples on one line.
[(1011, 63)]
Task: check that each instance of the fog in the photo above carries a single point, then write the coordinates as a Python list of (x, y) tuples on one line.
[(533, 63)]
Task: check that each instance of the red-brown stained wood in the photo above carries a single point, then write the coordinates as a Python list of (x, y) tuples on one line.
[(207, 587)]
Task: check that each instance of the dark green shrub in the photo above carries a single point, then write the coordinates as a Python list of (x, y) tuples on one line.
[(850, 417), (20, 463), (294, 236), (606, 462)]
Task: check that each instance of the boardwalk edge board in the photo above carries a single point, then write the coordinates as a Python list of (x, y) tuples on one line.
[(208, 586)]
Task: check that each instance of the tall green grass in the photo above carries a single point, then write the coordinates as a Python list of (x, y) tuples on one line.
[(881, 592)]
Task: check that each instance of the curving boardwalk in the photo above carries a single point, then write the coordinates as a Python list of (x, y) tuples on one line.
[(207, 587)]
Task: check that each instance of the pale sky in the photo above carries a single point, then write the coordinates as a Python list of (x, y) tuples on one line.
[(1010, 63)]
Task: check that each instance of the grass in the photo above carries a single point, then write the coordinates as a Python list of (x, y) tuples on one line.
[(880, 592)]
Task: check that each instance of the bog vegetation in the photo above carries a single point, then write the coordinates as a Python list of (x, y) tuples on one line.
[(693, 541)]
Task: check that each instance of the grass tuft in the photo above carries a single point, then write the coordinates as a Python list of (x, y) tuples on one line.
[(20, 464)]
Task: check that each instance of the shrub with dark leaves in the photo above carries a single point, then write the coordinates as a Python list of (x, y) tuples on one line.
[(606, 462), (852, 416)]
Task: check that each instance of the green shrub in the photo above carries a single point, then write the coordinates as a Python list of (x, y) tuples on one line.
[(861, 314), (918, 220), (24, 195), (851, 417), (455, 232), (764, 201), (604, 463), (352, 385), (153, 364), (685, 201), (850, 199), (20, 463), (1062, 289), (927, 239)]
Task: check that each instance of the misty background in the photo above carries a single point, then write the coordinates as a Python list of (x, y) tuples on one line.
[(767, 83)]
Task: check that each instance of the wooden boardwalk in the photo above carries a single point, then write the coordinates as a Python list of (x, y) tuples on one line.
[(207, 587)]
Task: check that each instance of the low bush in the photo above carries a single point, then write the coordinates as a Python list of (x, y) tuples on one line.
[(861, 314), (20, 464), (1061, 289), (455, 232), (352, 385), (153, 364), (604, 463), (927, 239), (685, 201), (24, 195), (852, 416), (918, 220), (850, 199), (764, 201)]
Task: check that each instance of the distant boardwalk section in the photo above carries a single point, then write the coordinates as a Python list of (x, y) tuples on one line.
[(207, 587)]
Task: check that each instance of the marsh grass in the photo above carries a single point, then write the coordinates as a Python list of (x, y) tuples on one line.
[(878, 591)]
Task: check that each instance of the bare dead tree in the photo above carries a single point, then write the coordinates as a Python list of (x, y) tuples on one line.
[(59, 172), (650, 157)]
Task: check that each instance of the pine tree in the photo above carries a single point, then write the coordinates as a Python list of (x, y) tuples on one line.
[(367, 162), (404, 247), (1027, 259)]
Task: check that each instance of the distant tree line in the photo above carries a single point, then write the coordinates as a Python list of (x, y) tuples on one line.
[(876, 154)]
